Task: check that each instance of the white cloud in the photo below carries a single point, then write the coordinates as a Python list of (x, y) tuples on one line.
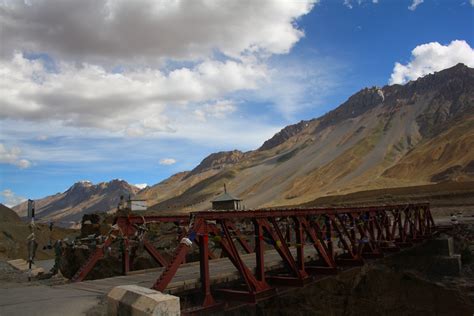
[(472, 3), (141, 69), (133, 101), (23, 164), (122, 70), (141, 186), (150, 30), (431, 57), (13, 156), (167, 161), (217, 110), (10, 199), (349, 3), (415, 4)]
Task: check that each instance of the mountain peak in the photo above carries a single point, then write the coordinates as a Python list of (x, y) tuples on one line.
[(457, 69), (80, 185), (85, 183)]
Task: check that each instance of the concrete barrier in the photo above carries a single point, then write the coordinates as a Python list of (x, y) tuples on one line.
[(139, 301)]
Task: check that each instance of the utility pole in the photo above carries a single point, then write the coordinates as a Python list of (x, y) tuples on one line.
[(32, 244)]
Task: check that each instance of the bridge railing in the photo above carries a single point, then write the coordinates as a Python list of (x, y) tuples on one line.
[(341, 236), (127, 229)]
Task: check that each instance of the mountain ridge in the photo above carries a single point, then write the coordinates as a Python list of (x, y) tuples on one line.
[(81, 198), (396, 135)]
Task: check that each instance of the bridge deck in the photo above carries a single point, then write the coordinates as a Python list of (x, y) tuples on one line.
[(187, 277)]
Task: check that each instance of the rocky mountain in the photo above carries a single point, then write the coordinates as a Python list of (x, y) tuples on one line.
[(81, 198), (381, 137), (217, 161), (284, 135)]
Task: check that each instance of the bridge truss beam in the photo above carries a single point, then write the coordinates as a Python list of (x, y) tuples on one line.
[(340, 236)]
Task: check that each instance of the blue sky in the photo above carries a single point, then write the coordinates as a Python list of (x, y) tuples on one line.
[(141, 101)]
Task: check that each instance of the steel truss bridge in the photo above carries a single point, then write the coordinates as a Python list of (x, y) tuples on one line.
[(341, 237)]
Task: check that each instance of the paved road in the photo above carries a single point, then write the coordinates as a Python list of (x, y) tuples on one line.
[(78, 298), (46, 300)]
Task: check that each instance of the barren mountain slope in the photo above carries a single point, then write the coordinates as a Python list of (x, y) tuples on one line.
[(81, 198), (381, 137), (7, 215)]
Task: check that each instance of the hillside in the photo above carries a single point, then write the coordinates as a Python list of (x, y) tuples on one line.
[(7, 215), (14, 233), (81, 198), (395, 136)]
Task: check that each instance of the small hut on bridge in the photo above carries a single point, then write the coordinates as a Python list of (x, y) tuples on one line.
[(226, 201)]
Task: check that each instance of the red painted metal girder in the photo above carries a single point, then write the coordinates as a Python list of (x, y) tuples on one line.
[(281, 247), (178, 257), (238, 235), (154, 253), (263, 213), (342, 232), (253, 284), (208, 300), (317, 241), (86, 268)]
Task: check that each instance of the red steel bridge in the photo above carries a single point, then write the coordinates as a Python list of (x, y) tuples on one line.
[(341, 237)]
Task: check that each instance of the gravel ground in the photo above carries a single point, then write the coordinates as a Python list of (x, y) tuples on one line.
[(9, 277), (12, 278)]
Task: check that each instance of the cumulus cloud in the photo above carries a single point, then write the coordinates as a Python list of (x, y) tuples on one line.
[(415, 4), (150, 30), (431, 57), (133, 101), (120, 70), (167, 161), (12, 156), (11, 199), (141, 69)]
